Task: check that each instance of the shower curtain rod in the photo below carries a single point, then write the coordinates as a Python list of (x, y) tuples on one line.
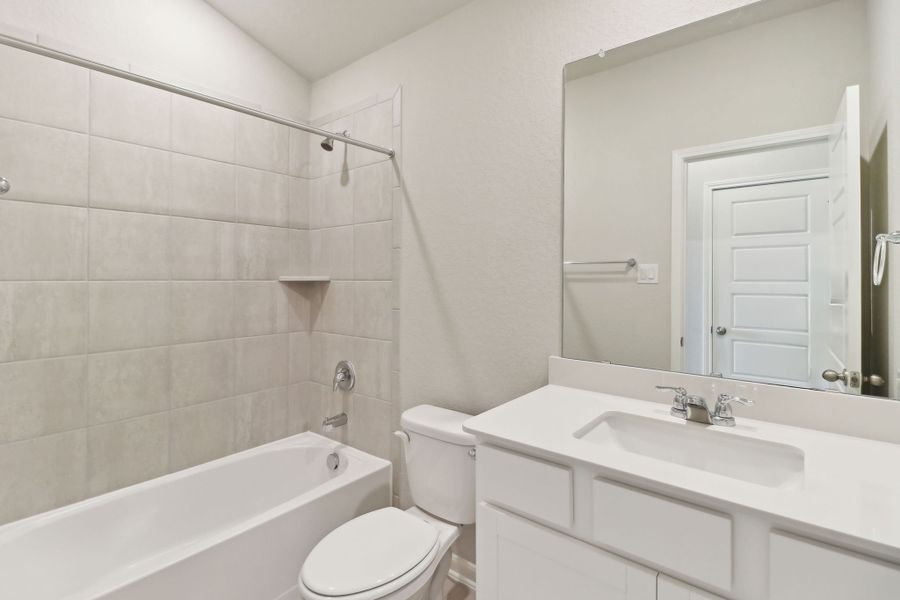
[(95, 66)]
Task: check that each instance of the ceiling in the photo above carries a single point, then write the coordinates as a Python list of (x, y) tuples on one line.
[(318, 37)]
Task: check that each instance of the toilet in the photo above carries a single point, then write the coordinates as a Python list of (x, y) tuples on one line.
[(390, 554)]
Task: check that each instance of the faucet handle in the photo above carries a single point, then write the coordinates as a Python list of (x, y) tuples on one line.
[(679, 402), (722, 412), (679, 391)]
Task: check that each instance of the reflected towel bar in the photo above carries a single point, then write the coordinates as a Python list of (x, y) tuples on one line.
[(631, 262)]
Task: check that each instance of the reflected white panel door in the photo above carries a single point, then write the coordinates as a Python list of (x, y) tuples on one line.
[(770, 282), (845, 281), (520, 560)]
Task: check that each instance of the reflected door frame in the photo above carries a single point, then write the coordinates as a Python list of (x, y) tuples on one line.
[(681, 159)]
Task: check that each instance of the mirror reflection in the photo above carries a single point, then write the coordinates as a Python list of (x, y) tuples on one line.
[(727, 205)]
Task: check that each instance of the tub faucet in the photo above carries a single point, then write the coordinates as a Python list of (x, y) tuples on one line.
[(332, 423)]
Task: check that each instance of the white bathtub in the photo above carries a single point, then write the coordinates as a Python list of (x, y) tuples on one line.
[(237, 528)]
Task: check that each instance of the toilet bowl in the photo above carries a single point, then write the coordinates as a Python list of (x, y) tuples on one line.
[(390, 554)]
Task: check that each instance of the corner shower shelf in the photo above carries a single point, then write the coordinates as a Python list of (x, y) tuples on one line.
[(304, 279)]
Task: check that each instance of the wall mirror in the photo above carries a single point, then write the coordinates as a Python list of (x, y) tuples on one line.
[(725, 185)]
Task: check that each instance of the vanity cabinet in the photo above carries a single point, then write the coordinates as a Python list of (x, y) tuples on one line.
[(520, 560), (553, 530)]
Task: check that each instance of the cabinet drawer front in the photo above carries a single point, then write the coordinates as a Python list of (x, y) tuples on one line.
[(807, 570), (689, 540), (520, 560), (527, 485)]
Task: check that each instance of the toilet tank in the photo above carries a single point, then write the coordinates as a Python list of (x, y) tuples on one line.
[(440, 462)]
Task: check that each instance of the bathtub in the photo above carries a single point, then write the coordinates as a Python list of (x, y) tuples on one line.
[(237, 528)]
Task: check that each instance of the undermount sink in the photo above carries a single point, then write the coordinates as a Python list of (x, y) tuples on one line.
[(696, 446)]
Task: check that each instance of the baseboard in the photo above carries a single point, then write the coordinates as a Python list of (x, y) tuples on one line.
[(462, 571)]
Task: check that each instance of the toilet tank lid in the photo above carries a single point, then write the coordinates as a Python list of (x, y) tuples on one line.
[(438, 423)]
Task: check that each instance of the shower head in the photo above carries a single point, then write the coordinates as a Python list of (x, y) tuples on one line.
[(328, 143)]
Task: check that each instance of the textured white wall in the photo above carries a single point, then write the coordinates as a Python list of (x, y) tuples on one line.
[(183, 40), (482, 140)]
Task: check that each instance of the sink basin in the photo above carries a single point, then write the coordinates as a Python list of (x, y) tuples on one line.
[(700, 447)]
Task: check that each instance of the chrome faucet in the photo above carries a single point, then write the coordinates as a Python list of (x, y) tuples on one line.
[(694, 408), (332, 423), (344, 376)]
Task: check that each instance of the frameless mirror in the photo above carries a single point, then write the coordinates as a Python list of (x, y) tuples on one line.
[(725, 184)]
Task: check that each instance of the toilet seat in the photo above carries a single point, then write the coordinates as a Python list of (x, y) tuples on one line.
[(370, 556)]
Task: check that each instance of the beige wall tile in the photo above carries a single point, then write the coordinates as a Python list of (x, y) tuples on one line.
[(129, 177), (372, 251), (262, 418), (299, 259), (203, 130), (300, 410), (41, 397), (261, 252), (298, 209), (296, 302), (331, 200), (375, 125), (299, 343), (369, 425), (397, 216), (331, 252), (334, 313), (202, 310), (43, 90), (125, 245), (202, 249), (29, 152), (201, 372), (127, 384), (127, 452), (129, 111), (372, 309), (261, 144), (42, 473), (42, 241), (258, 309), (372, 192), (262, 363), (373, 367), (299, 153), (202, 188), (262, 197), (125, 315), (42, 319), (201, 433)]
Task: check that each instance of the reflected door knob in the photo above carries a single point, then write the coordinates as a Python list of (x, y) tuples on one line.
[(831, 376), (721, 330), (875, 380), (4, 185)]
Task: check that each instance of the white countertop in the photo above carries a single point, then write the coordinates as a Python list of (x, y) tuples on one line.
[(850, 488)]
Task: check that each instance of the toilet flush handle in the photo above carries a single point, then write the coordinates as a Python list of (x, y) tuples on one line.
[(404, 437)]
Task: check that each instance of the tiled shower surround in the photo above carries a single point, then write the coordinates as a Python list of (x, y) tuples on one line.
[(142, 326)]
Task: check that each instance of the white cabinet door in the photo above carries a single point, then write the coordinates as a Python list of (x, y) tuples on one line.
[(802, 569), (519, 560), (671, 589)]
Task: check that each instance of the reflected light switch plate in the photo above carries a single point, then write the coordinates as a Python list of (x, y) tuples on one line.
[(648, 273)]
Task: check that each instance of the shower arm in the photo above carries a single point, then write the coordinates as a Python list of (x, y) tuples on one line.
[(13, 42)]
